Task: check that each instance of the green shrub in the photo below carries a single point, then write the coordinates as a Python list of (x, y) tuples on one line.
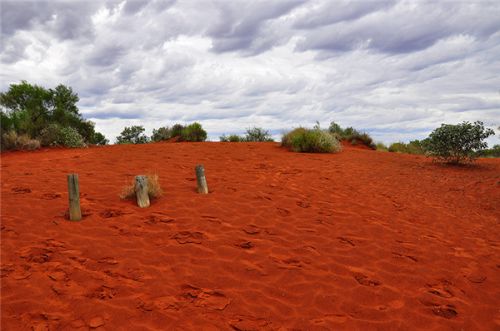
[(310, 141), (399, 147), (56, 135), (491, 152), (381, 147), (160, 134), (132, 135), (193, 132), (256, 134), (233, 138), (176, 130), (98, 139), (69, 137), (351, 135), (457, 143)]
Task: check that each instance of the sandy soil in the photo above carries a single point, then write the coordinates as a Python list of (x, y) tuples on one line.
[(361, 240)]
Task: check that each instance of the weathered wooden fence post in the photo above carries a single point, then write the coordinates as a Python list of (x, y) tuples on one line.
[(200, 178), (75, 214), (141, 191)]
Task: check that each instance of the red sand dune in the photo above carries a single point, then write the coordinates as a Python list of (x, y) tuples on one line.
[(360, 240)]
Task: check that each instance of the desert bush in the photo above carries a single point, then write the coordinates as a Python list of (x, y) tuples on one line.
[(233, 138), (398, 147), (256, 134), (310, 141), (160, 134), (193, 132), (457, 143), (381, 147), (176, 130), (132, 135), (154, 188), (55, 135), (98, 139), (351, 135), (491, 152), (12, 141)]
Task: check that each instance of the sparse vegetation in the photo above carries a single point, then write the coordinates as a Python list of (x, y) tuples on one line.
[(154, 188), (132, 135), (490, 152), (351, 135), (233, 138), (193, 132), (56, 135), (311, 141), (12, 141), (256, 134), (381, 147), (458, 143)]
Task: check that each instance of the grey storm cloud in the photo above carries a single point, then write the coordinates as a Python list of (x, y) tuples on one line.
[(394, 68)]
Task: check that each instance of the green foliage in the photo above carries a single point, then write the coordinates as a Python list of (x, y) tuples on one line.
[(457, 143), (177, 130), (99, 139), (160, 134), (71, 138), (381, 147), (56, 135), (132, 135), (29, 109), (399, 147), (256, 134), (491, 152), (233, 138), (311, 141), (351, 135), (193, 132)]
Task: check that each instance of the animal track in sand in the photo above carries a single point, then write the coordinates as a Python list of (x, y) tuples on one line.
[(245, 244), (283, 212), (365, 280), (21, 190), (103, 292), (50, 196), (159, 218), (207, 298), (346, 241), (188, 237), (251, 229), (108, 213)]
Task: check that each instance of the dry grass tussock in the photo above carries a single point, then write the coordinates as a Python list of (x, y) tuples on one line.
[(154, 189)]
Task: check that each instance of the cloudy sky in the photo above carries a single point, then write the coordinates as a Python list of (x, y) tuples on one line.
[(396, 69)]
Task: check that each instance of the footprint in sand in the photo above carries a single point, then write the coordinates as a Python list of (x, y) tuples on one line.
[(158, 218), (188, 237)]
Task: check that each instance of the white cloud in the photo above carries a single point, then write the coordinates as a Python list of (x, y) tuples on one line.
[(397, 68)]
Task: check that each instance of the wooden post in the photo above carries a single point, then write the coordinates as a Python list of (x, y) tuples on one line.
[(141, 191), (202, 181), (75, 214)]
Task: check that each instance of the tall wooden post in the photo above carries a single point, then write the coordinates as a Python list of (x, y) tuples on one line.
[(75, 214), (141, 191), (200, 178)]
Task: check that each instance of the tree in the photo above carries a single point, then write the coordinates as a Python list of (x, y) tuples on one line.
[(193, 132), (256, 134), (132, 135), (160, 134), (457, 143), (29, 109)]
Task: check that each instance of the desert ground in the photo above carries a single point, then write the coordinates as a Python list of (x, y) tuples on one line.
[(360, 240)]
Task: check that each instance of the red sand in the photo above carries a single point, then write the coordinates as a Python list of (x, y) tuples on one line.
[(360, 240)]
